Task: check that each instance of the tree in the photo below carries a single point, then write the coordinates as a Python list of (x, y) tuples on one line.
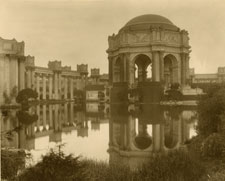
[(211, 111), (25, 94), (174, 93)]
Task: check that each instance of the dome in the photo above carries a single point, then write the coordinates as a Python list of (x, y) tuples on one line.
[(150, 20)]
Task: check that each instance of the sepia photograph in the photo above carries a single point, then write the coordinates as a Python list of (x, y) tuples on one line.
[(112, 90)]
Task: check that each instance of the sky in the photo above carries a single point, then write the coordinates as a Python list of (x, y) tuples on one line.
[(76, 31)]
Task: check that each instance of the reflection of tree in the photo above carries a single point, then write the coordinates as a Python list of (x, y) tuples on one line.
[(22, 118), (25, 118), (8, 99), (8, 115), (174, 112)]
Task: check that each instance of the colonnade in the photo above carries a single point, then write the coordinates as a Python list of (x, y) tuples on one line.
[(51, 84), (122, 67), (161, 136)]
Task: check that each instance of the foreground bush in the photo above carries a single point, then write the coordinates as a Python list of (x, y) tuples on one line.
[(11, 163), (174, 166), (218, 176), (211, 112), (55, 167), (214, 146), (101, 171)]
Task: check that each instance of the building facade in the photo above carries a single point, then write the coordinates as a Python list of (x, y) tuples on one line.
[(12, 68), (53, 82), (149, 48), (218, 77)]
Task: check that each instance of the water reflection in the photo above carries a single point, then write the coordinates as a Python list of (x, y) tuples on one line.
[(137, 133), (128, 134)]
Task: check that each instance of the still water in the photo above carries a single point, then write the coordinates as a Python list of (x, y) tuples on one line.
[(126, 133)]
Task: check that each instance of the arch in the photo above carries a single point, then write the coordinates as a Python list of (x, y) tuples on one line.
[(142, 140), (117, 70), (170, 69), (142, 64)]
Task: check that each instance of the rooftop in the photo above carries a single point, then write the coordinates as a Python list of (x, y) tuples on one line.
[(150, 20)]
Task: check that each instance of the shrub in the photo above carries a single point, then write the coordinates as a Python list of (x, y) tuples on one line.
[(211, 109), (194, 146), (11, 163), (218, 176), (55, 167), (214, 146), (175, 166), (25, 94), (101, 171)]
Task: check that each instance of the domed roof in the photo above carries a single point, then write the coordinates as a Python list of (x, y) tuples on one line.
[(150, 20)]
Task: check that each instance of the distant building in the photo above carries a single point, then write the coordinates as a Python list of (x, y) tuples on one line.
[(218, 77), (97, 93), (12, 67), (55, 82)]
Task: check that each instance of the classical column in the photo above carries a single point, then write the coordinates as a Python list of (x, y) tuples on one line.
[(156, 133), (71, 88), (130, 129), (110, 70), (183, 68), (66, 113), (187, 68), (21, 74), (65, 87), (50, 117), (124, 68), (60, 86), (60, 117), (28, 78), (38, 86), (44, 87), (162, 137), (44, 117), (127, 56), (155, 67), (29, 131), (50, 87), (55, 85), (161, 65), (140, 74), (38, 121), (32, 79), (71, 113)]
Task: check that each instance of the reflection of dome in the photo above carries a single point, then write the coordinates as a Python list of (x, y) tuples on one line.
[(150, 20), (143, 142)]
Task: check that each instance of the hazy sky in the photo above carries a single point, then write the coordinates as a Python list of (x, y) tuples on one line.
[(76, 31)]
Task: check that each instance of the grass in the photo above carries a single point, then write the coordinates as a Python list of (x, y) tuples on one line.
[(173, 166)]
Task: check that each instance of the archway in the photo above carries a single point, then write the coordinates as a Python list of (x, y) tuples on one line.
[(170, 70), (143, 71), (143, 135)]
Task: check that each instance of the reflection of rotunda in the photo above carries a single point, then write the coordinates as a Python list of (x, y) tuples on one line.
[(135, 136), (149, 48)]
